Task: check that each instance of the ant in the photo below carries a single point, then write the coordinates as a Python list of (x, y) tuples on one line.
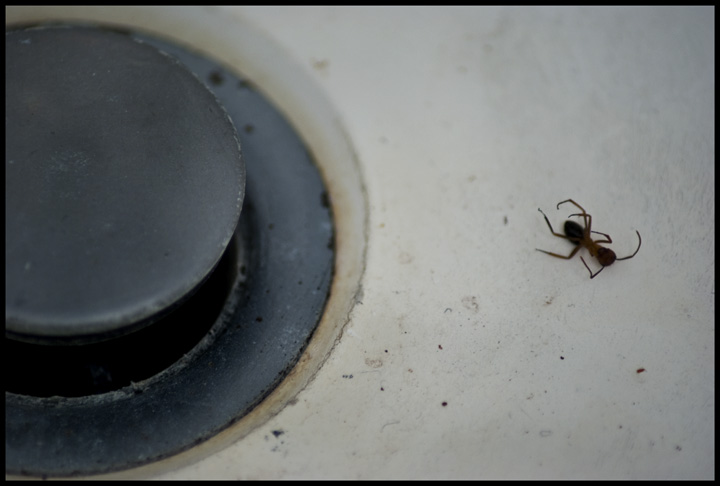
[(580, 237)]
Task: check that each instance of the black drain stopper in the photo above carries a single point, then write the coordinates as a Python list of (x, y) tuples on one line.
[(124, 184)]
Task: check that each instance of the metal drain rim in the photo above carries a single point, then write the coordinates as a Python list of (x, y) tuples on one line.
[(236, 41)]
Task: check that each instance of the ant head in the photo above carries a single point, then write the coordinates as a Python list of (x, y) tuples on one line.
[(605, 256)]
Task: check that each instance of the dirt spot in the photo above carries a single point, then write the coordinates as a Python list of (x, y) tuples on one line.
[(325, 200), (320, 65), (470, 303), (404, 258), (373, 363), (245, 84), (216, 78)]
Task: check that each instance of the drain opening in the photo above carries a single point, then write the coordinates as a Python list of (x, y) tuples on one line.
[(44, 370)]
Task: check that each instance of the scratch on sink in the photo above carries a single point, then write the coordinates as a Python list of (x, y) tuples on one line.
[(389, 423)]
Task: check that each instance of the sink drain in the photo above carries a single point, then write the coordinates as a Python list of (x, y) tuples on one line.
[(174, 378), (124, 184)]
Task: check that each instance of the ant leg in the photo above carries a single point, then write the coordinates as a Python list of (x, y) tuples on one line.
[(551, 228), (638, 248), (572, 253), (609, 240), (591, 274), (575, 250), (573, 202)]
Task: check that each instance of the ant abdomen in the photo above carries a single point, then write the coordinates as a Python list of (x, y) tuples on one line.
[(574, 230)]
